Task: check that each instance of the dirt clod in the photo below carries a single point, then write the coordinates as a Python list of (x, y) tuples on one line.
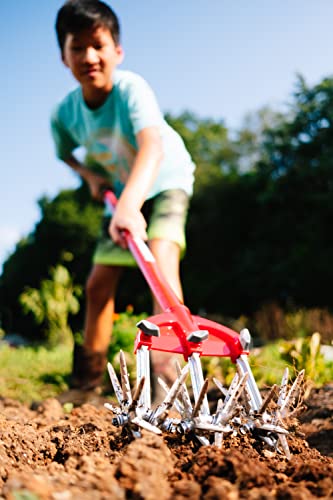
[(49, 454)]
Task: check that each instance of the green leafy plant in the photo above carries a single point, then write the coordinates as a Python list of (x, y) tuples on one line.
[(52, 304), (305, 353)]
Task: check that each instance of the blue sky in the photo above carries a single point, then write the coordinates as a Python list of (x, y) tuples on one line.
[(218, 58)]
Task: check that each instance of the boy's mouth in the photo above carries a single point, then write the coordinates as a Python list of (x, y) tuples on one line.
[(91, 71)]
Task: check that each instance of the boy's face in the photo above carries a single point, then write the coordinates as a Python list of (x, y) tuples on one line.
[(92, 56)]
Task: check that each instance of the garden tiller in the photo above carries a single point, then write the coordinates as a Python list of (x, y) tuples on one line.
[(178, 331)]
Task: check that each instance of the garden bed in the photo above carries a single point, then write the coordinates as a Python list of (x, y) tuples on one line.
[(48, 454)]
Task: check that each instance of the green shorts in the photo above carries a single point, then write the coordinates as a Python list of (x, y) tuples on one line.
[(166, 216)]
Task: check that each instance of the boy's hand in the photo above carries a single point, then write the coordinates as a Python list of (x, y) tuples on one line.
[(96, 185), (95, 182), (129, 219)]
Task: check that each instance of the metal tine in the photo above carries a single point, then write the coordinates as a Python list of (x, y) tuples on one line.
[(219, 409), (273, 428), (252, 388), (283, 387), (137, 395), (218, 436), (179, 407), (115, 384), (143, 371), (114, 409), (224, 414), (169, 399), (146, 425), (220, 386), (203, 440), (267, 400), (291, 396), (199, 402), (186, 400), (197, 380), (284, 444), (125, 383), (232, 387), (218, 439), (228, 393), (206, 426)]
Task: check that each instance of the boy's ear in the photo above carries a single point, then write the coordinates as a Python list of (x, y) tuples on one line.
[(120, 53), (63, 58)]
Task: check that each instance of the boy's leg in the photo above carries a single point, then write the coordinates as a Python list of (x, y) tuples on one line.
[(90, 359), (166, 232), (100, 293), (167, 255)]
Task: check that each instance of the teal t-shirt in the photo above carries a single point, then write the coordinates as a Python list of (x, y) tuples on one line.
[(108, 134)]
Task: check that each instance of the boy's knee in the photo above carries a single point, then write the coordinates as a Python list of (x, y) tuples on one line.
[(97, 289), (101, 287)]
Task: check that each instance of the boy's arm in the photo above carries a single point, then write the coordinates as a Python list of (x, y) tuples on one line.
[(94, 181), (145, 168)]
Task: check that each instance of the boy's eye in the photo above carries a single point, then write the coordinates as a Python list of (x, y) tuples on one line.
[(76, 48), (98, 46)]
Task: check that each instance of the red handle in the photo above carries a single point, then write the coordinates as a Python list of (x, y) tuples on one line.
[(161, 289), (176, 324)]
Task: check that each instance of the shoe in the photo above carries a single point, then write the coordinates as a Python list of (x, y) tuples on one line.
[(88, 368), (85, 385)]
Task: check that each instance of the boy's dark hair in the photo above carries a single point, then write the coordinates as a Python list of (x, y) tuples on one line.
[(77, 15)]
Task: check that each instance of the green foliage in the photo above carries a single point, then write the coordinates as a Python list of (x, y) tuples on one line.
[(305, 353), (268, 363), (33, 373), (69, 224), (52, 304), (259, 227)]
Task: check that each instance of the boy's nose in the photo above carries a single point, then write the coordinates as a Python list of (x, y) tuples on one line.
[(90, 55)]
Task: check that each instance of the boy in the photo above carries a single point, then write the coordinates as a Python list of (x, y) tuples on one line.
[(130, 148)]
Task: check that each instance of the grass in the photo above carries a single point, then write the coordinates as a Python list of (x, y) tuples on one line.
[(35, 373)]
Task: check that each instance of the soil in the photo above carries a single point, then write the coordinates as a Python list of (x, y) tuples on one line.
[(48, 454)]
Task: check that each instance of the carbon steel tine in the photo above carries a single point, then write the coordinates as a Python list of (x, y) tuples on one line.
[(292, 394), (203, 440), (202, 426), (219, 385), (115, 384), (268, 399), (112, 408), (218, 439), (273, 428), (143, 370), (125, 383), (197, 406), (225, 413), (137, 395), (198, 381), (284, 444), (244, 367), (283, 387), (183, 393), (218, 436), (169, 399), (219, 407), (179, 407), (232, 387), (146, 425), (178, 367), (163, 384)]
